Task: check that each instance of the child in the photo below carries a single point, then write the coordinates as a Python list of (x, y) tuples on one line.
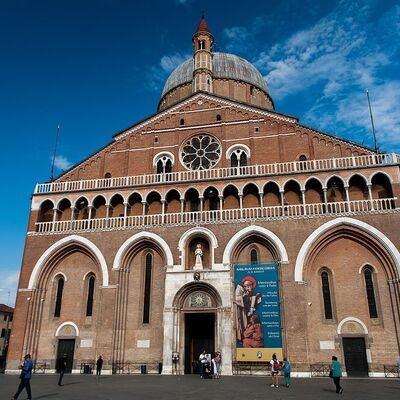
[(287, 369)]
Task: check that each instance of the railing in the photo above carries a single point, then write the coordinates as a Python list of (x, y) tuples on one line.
[(137, 368), (220, 216), (320, 369), (40, 367), (87, 368), (222, 173), (391, 371), (251, 368)]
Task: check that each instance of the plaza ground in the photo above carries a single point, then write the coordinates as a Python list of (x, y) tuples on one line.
[(115, 387)]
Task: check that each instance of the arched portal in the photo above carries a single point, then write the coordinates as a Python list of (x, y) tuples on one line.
[(196, 322)]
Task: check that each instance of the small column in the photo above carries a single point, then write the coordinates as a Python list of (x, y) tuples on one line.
[(108, 206), (182, 199), (325, 190), (144, 203), (125, 213), (241, 204), (73, 209), (347, 199), (261, 194), (370, 199), (303, 200), (282, 193), (201, 198), (163, 202), (221, 205), (54, 218)]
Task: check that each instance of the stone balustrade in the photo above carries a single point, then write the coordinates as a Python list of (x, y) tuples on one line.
[(220, 216), (249, 171)]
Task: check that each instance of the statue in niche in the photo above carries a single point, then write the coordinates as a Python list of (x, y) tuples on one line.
[(198, 253)]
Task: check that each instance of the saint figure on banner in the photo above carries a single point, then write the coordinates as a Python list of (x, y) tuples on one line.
[(246, 302)]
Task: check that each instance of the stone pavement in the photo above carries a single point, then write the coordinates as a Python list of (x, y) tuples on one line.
[(148, 387)]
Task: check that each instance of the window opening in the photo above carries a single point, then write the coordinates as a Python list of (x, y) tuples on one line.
[(89, 304), (59, 294), (147, 287), (326, 292), (253, 257), (369, 286)]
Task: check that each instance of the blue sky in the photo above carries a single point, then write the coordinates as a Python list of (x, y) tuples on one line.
[(98, 66)]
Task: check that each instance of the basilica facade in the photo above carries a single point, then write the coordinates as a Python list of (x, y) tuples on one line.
[(213, 218)]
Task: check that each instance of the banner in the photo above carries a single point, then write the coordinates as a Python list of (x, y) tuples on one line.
[(257, 312)]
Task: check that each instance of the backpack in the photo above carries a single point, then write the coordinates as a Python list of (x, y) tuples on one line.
[(276, 365)]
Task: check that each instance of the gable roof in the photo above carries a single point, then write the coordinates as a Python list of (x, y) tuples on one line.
[(199, 96), (6, 309)]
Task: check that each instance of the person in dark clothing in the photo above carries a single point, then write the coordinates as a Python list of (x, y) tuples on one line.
[(99, 365), (62, 366), (26, 375)]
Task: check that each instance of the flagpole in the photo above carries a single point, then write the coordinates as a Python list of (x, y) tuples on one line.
[(372, 124), (54, 154)]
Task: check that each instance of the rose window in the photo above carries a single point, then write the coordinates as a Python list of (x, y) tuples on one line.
[(201, 152)]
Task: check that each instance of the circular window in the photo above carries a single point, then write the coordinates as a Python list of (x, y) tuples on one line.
[(200, 152)]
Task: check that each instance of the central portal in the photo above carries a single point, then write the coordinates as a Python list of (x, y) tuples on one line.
[(199, 336)]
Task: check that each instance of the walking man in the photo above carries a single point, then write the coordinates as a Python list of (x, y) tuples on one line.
[(26, 375), (336, 372), (99, 365), (62, 366)]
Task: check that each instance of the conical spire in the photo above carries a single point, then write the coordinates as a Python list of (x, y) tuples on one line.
[(203, 27)]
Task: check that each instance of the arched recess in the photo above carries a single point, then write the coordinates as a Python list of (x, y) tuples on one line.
[(182, 294), (145, 238), (351, 319), (68, 324), (387, 251), (63, 245), (269, 239), (197, 232)]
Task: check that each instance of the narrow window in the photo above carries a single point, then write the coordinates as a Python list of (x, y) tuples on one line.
[(182, 122), (107, 175), (243, 159), (60, 288), (234, 160), (253, 257), (326, 292), (160, 167), (218, 117), (201, 45), (147, 285), (369, 286), (168, 166), (89, 303), (3, 333), (251, 90)]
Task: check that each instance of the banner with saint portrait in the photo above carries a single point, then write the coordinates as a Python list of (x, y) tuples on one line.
[(257, 312)]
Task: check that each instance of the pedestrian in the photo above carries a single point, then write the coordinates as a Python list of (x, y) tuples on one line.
[(99, 365), (62, 366), (218, 361), (336, 373), (202, 363), (275, 367), (287, 369), (25, 376)]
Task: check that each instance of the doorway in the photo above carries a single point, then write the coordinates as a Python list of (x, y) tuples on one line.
[(355, 356), (66, 346), (199, 336)]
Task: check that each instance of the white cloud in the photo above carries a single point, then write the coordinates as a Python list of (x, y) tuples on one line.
[(159, 73), (341, 55), (62, 163), (8, 289), (169, 63)]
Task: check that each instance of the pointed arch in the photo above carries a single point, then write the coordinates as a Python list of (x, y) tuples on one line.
[(267, 234), (364, 227), (137, 238), (68, 241)]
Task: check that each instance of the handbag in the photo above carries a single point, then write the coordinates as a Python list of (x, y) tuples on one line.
[(331, 374)]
